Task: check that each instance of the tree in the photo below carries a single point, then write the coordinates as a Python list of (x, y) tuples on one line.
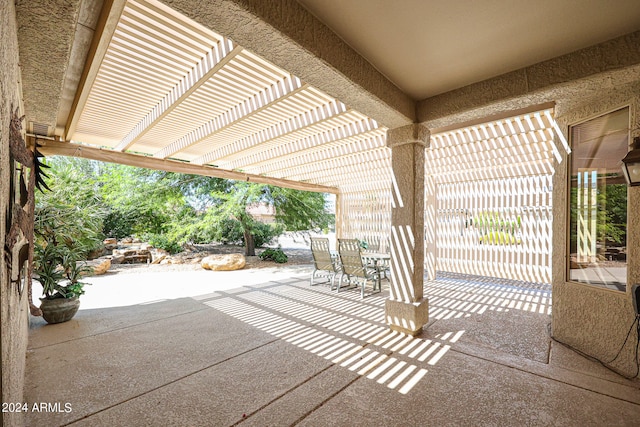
[(295, 210), (172, 209), (72, 212)]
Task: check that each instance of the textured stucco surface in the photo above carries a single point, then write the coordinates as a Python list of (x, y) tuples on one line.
[(570, 79), (284, 33), (406, 310), (13, 308), (591, 319), (46, 30)]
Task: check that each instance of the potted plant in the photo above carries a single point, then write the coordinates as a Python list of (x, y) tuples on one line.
[(59, 272), (67, 226)]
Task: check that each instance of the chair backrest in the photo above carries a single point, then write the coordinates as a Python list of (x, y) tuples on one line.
[(321, 254), (350, 257)]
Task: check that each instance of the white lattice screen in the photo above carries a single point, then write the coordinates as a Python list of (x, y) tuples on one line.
[(492, 196), (499, 228), (366, 207)]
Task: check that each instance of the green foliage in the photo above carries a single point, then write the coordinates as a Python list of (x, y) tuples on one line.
[(170, 209), (71, 214), (499, 238), (137, 200), (300, 210), (162, 241), (264, 234), (295, 210), (229, 231), (59, 270), (68, 222), (363, 244), (611, 214), (496, 229), (275, 255)]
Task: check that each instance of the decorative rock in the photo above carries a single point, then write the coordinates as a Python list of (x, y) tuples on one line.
[(158, 259), (96, 253), (102, 267), (226, 262), (158, 253), (117, 259), (110, 241)]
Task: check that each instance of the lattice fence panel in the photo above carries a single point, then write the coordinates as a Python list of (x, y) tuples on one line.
[(366, 208), (498, 228), (493, 197)]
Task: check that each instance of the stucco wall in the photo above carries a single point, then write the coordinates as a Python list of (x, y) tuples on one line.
[(13, 313), (591, 319)]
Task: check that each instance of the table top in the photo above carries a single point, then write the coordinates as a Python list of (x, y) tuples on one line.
[(376, 255)]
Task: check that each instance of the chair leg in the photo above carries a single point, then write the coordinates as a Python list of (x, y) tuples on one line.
[(313, 274)]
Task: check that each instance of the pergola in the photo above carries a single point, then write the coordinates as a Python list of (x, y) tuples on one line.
[(267, 92), (163, 91)]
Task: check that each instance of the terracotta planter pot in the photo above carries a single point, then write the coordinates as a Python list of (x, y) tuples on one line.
[(60, 309)]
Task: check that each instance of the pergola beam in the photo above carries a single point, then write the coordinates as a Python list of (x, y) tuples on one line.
[(51, 148), (109, 17)]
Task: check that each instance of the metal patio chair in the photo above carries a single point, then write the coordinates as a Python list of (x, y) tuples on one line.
[(324, 262), (354, 271)]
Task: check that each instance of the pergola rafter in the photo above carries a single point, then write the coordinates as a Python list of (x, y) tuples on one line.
[(275, 132), (243, 110), (169, 88), (213, 61), (313, 162)]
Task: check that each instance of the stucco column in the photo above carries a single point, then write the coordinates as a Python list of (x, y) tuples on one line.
[(406, 310)]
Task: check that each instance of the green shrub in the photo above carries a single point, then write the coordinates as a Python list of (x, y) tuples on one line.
[(263, 234), (275, 255), (127, 221), (230, 232), (161, 241)]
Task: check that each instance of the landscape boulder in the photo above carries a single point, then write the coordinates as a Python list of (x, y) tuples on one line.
[(117, 259), (99, 266), (226, 262)]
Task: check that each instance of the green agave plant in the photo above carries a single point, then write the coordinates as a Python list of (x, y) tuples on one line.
[(58, 271)]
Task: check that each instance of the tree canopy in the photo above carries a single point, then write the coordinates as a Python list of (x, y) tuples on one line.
[(169, 209)]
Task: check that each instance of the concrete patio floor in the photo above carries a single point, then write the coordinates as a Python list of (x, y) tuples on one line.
[(263, 348)]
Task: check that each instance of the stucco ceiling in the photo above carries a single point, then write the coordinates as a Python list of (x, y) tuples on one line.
[(430, 47)]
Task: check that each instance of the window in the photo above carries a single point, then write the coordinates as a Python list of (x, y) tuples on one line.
[(598, 201)]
